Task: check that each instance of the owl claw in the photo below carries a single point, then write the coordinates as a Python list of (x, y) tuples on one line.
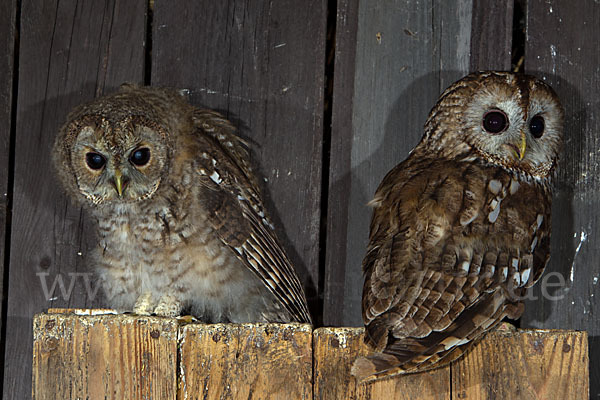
[(143, 305), (168, 306)]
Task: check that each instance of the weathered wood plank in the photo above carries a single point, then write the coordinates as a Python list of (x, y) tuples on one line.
[(562, 48), (261, 63), (406, 53), (97, 357), (335, 349), (83, 354), (264, 361), (524, 365), (491, 35), (339, 161), (69, 52), (8, 20)]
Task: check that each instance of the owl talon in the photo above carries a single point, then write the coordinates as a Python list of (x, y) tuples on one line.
[(168, 306), (143, 305)]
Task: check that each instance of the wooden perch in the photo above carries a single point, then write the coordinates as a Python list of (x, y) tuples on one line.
[(77, 354)]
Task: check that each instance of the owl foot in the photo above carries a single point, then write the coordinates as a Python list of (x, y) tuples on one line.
[(143, 305), (168, 306)]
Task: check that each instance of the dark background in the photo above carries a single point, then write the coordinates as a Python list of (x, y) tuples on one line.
[(332, 94)]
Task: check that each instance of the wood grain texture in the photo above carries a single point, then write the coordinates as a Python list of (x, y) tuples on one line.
[(264, 361), (261, 63), (70, 52), (8, 20), (339, 162), (81, 353), (111, 356), (491, 35), (524, 365), (562, 49), (406, 53), (335, 349)]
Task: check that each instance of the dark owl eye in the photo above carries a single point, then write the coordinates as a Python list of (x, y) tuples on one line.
[(495, 122), (536, 126), (95, 160), (140, 157)]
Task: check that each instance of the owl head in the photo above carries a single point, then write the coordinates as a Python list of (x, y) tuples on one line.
[(511, 120), (117, 149)]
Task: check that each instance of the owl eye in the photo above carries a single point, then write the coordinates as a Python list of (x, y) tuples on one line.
[(495, 122), (95, 160), (140, 157), (536, 126)]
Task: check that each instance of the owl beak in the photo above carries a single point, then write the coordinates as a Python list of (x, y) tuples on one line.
[(520, 148), (522, 145), (119, 182)]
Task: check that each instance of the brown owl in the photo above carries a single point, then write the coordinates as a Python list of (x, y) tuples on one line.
[(461, 228), (181, 223)]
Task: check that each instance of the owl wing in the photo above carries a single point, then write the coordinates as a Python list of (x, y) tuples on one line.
[(453, 247), (236, 211)]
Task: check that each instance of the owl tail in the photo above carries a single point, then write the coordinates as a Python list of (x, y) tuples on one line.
[(438, 349), (381, 365)]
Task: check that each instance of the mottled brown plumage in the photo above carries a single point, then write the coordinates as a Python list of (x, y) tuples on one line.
[(461, 228), (181, 222)]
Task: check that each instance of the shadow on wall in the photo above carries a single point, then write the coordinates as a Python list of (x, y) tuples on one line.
[(373, 155)]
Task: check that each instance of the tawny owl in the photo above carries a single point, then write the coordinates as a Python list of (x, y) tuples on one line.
[(181, 223), (461, 228)]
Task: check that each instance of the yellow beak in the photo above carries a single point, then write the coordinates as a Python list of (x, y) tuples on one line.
[(118, 180), (522, 146)]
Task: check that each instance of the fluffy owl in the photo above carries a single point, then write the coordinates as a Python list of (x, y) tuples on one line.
[(461, 228), (181, 223)]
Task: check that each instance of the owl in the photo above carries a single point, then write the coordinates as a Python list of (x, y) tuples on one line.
[(461, 228), (180, 220)]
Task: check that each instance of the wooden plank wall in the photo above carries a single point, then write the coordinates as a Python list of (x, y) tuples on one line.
[(263, 64), (563, 48), (69, 52), (8, 31), (405, 53)]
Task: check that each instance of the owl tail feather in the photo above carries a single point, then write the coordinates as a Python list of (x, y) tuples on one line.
[(374, 365), (382, 365), (438, 349)]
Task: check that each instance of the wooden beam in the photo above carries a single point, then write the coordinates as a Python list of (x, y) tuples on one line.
[(83, 354), (263, 361), (335, 349), (119, 356), (524, 365)]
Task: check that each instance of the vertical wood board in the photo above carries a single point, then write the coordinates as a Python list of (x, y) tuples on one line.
[(8, 20), (491, 35), (261, 64), (339, 162), (264, 361), (70, 52), (406, 53), (401, 56), (562, 49), (117, 356)]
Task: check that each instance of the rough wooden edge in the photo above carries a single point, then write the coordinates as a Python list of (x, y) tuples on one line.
[(100, 356), (252, 358)]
